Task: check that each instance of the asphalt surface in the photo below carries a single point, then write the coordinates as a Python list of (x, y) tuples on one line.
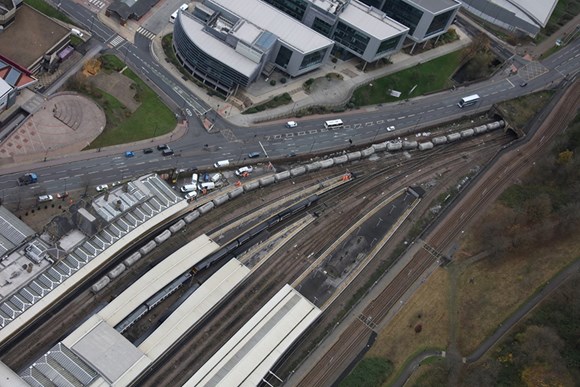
[(362, 126)]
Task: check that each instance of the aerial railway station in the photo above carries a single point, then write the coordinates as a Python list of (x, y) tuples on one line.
[(84, 354)]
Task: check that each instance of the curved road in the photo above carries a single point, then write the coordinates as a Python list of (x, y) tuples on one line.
[(363, 126)]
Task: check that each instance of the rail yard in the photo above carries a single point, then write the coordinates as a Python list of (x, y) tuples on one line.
[(323, 226)]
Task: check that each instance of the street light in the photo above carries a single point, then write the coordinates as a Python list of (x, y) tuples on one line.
[(46, 153)]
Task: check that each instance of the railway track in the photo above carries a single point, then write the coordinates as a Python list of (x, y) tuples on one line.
[(325, 371), (197, 348)]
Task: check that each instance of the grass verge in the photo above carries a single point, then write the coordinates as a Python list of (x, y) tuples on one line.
[(427, 77), (370, 371), (152, 118), (47, 9), (520, 111)]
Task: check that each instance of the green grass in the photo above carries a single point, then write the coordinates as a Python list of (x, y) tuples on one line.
[(368, 372), (429, 77), (520, 111), (48, 10), (152, 117), (279, 100)]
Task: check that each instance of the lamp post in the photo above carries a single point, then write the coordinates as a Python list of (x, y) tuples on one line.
[(46, 153)]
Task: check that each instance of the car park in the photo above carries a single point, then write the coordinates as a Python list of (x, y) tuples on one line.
[(148, 150), (102, 187), (167, 152), (243, 170), (253, 155), (129, 154), (44, 198), (162, 147)]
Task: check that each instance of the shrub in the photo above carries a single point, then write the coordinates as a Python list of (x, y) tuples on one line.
[(283, 80), (334, 60), (273, 82)]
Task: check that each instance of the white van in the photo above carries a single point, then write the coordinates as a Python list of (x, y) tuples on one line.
[(215, 177), (242, 170), (188, 188), (291, 124), (76, 33), (206, 186), (190, 195), (222, 164), (194, 178)]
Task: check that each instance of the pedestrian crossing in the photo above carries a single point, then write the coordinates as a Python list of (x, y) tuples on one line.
[(97, 3), (118, 40), (146, 33)]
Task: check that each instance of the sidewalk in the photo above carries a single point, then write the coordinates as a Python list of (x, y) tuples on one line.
[(334, 94)]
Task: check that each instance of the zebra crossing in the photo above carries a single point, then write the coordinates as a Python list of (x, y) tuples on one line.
[(118, 40), (97, 3), (146, 33)]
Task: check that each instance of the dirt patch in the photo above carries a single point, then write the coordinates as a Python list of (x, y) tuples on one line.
[(399, 341), (119, 86)]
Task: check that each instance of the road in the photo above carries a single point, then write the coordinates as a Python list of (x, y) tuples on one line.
[(362, 126)]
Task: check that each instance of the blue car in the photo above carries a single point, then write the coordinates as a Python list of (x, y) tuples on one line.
[(129, 154)]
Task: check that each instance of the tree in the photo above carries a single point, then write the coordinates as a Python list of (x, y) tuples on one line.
[(565, 157)]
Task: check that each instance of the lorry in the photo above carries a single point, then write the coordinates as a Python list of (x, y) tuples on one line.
[(27, 178)]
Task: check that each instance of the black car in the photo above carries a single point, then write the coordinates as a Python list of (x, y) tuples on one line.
[(162, 147), (253, 155), (167, 152), (148, 150)]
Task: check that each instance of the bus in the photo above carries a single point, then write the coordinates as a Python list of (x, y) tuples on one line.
[(333, 124), (173, 16), (469, 100)]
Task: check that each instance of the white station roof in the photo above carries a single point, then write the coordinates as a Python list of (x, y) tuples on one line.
[(246, 358), (533, 10)]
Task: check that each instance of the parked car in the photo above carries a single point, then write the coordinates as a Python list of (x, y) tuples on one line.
[(62, 195), (129, 154), (291, 124), (102, 187), (148, 150), (390, 128), (253, 155), (523, 84), (44, 198), (244, 170), (205, 177), (162, 147)]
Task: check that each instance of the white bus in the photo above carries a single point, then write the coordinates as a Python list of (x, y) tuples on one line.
[(469, 100), (333, 124), (173, 16)]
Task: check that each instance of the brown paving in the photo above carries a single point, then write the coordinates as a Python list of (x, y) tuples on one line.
[(42, 132)]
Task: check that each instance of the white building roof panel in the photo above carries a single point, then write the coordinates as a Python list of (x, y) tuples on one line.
[(214, 47), (10, 378), (288, 29), (156, 278), (105, 349), (246, 358), (201, 302), (373, 22), (534, 11), (435, 6), (246, 32)]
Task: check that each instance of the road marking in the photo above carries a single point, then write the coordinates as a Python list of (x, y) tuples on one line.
[(510, 82)]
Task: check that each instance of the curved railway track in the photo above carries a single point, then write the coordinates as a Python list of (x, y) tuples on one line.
[(193, 351), (327, 369)]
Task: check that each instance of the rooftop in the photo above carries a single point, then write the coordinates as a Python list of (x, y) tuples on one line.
[(30, 36), (372, 21), (289, 30), (435, 6), (533, 10), (214, 46)]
